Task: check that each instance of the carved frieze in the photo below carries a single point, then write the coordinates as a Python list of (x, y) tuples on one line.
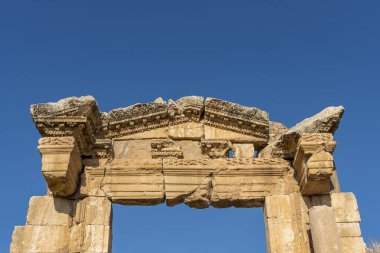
[(103, 149), (165, 149), (216, 148)]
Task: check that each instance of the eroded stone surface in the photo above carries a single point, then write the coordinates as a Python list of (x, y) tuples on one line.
[(180, 151), (326, 121)]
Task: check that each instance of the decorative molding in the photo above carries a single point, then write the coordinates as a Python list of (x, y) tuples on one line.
[(216, 148)]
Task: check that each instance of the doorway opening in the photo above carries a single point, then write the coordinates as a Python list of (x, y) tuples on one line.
[(143, 229)]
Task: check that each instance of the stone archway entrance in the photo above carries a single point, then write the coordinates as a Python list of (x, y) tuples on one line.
[(177, 152)]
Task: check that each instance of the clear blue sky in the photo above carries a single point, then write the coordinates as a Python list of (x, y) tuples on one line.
[(290, 58)]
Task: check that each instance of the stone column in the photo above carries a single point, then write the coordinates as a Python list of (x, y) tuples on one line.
[(324, 230), (285, 223)]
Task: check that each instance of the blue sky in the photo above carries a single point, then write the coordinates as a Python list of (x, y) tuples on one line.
[(290, 58)]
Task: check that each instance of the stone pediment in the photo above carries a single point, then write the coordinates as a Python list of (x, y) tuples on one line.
[(191, 117)]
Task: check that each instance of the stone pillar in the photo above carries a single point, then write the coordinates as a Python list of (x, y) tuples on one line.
[(324, 230), (91, 230), (47, 226), (348, 220), (285, 223), (61, 225)]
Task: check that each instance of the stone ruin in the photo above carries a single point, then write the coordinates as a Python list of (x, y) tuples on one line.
[(196, 151)]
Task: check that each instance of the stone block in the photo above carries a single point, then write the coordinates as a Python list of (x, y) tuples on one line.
[(285, 227), (243, 150), (133, 149), (186, 131), (49, 211), (352, 245), (40, 239), (345, 207), (93, 211), (217, 133), (349, 229), (90, 238), (134, 182)]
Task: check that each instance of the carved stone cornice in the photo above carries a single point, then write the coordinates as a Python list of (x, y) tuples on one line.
[(76, 117), (234, 117), (134, 119), (185, 109)]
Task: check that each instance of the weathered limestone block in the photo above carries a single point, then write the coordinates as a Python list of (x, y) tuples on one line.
[(347, 219), (40, 239), (345, 207), (133, 149), (61, 164), (222, 134), (326, 121), (92, 178), (190, 149), (353, 244), (90, 239), (286, 230), (243, 150), (47, 227), (134, 182), (49, 211), (91, 231), (346, 229), (93, 211), (245, 182), (186, 131), (324, 230), (223, 182), (183, 178)]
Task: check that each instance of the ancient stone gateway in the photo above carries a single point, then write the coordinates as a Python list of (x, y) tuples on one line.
[(180, 152)]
